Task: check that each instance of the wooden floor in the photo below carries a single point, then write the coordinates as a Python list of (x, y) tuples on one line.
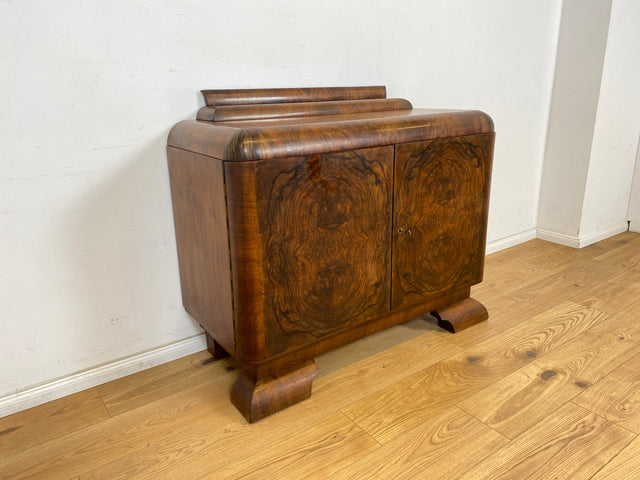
[(548, 387)]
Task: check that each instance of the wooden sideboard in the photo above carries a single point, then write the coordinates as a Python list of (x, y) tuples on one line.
[(309, 218)]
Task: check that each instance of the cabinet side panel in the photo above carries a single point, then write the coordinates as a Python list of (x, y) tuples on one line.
[(325, 224), (199, 212), (440, 216)]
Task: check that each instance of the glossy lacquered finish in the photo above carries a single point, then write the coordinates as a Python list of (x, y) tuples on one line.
[(241, 141), (249, 96), (328, 221), (228, 113)]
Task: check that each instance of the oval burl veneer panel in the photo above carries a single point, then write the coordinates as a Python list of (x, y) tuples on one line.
[(324, 225), (440, 212)]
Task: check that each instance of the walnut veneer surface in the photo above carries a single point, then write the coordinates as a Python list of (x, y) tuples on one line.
[(308, 218)]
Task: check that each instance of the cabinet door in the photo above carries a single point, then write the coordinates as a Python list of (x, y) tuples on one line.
[(441, 196), (323, 259)]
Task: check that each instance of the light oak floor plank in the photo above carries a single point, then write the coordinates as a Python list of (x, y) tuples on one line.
[(314, 453), (625, 466), (52, 420), (625, 323), (572, 443), (617, 396), (211, 446), (521, 400), (554, 369), (152, 384), (110, 439), (406, 403), (612, 296), (426, 451)]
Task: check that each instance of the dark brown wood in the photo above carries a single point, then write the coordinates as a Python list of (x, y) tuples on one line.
[(259, 398), (250, 96), (291, 359), (440, 215), (215, 348), (288, 110), (259, 140), (304, 234), (328, 272), (199, 212), (460, 315)]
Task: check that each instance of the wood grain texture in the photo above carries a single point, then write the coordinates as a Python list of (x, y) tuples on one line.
[(312, 253), (408, 403), (288, 360), (246, 253), (441, 201), (255, 140), (625, 323), (190, 430), (425, 451), (613, 296), (309, 213), (625, 465), (52, 420), (199, 212), (573, 443), (617, 396), (459, 316), (325, 227), (259, 398), (198, 452), (400, 407), (107, 441), (287, 95), (537, 390), (288, 110), (125, 394), (310, 455), (531, 294)]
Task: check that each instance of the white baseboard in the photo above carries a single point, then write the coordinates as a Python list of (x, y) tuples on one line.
[(560, 238), (510, 241), (92, 377), (610, 232), (583, 241)]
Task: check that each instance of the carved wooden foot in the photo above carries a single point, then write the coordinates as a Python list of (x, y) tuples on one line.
[(461, 315), (215, 349), (259, 399)]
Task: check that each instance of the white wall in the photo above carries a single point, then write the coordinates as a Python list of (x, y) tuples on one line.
[(615, 140), (90, 89), (578, 72), (496, 56)]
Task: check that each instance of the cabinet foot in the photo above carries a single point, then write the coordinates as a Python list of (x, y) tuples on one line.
[(461, 315), (257, 399), (215, 349)]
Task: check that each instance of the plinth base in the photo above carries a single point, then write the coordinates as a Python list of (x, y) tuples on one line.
[(460, 315), (261, 398)]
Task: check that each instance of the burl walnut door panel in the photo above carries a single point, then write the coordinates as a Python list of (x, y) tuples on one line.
[(440, 211), (323, 257)]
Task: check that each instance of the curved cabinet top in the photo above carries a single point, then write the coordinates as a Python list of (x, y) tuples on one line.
[(328, 123)]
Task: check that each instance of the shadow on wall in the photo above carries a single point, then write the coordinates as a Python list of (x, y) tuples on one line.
[(120, 249)]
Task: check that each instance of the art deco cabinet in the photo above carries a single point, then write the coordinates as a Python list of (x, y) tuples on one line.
[(308, 218)]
